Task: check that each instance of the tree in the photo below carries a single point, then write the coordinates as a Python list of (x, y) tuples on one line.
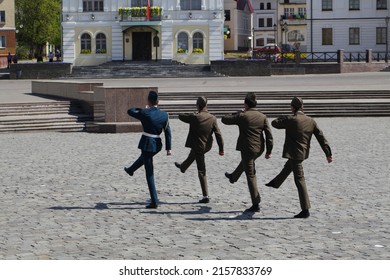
[(38, 22)]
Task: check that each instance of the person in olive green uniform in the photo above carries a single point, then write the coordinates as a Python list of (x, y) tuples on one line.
[(299, 130), (252, 125), (200, 140)]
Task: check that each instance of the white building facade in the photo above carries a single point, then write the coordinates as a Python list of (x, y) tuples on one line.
[(98, 31), (352, 25)]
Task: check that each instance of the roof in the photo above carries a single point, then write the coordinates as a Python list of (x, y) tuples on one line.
[(242, 3)]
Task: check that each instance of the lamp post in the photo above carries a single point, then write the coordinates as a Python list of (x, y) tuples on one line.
[(387, 39), (284, 28), (275, 27), (253, 40)]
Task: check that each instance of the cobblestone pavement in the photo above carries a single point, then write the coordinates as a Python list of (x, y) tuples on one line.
[(66, 196)]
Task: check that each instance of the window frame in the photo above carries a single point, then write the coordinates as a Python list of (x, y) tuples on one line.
[(381, 35), (85, 43), (327, 34), (3, 41), (381, 4), (141, 3), (190, 5), (261, 22), (354, 5), (2, 16), (93, 6), (101, 43), (327, 5), (198, 43), (354, 36), (179, 43)]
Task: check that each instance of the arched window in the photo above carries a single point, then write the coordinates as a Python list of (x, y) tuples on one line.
[(85, 43), (182, 42), (101, 43), (197, 41)]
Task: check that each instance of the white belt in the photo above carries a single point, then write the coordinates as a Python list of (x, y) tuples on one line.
[(150, 135)]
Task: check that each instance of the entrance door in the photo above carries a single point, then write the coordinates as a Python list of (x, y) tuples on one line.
[(142, 45)]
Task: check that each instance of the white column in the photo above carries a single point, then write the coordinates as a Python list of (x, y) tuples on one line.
[(204, 5), (80, 6), (178, 5)]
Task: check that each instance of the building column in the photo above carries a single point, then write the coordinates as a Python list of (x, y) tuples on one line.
[(204, 5)]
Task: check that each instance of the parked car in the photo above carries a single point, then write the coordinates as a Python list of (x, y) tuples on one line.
[(269, 51)]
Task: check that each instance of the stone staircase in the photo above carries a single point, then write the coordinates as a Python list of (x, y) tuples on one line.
[(68, 116), (273, 104), (62, 116), (144, 69)]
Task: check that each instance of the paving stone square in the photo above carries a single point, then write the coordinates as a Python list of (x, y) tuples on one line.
[(66, 196)]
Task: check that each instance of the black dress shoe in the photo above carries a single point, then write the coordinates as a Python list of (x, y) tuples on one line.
[(178, 165), (271, 184), (128, 172), (229, 176), (151, 206), (253, 208), (303, 215), (204, 200)]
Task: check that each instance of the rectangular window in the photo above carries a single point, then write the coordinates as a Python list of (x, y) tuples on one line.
[(2, 16), (381, 35), (268, 6), (141, 3), (354, 36), (260, 42), (261, 22), (2, 42), (302, 11), (381, 4), (327, 5), (354, 5), (93, 5), (327, 36), (269, 22), (261, 6), (190, 5), (288, 12), (227, 15)]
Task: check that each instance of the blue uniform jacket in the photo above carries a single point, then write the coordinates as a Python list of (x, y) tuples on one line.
[(154, 121)]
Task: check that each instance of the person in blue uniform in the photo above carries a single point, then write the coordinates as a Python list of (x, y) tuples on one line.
[(154, 122)]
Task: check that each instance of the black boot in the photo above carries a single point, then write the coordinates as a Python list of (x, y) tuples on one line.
[(303, 215)]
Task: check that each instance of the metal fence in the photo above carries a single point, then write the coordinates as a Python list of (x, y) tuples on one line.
[(318, 57)]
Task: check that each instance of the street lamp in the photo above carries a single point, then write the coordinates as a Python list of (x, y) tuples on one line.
[(275, 28), (387, 39), (253, 38), (284, 28)]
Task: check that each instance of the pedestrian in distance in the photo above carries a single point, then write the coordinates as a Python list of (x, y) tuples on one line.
[(9, 60), (51, 57), (154, 122), (15, 58), (253, 125), (299, 130), (200, 139)]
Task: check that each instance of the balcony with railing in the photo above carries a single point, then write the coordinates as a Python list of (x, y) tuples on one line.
[(296, 19), (140, 13)]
